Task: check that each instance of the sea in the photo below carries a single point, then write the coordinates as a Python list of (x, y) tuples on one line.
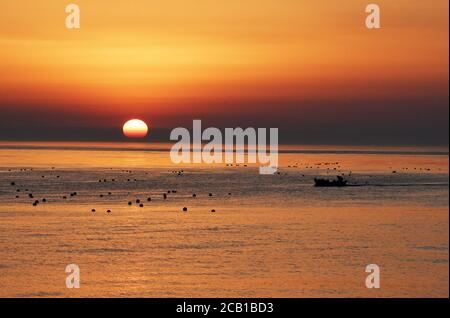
[(137, 225)]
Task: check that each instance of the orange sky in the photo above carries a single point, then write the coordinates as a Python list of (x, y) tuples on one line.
[(176, 56)]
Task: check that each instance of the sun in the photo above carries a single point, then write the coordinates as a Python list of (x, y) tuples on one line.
[(135, 128)]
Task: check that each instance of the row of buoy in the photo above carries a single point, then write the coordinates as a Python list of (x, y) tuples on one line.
[(114, 180), (185, 209), (36, 202), (94, 210), (72, 194)]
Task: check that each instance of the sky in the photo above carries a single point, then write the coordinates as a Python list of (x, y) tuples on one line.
[(310, 68)]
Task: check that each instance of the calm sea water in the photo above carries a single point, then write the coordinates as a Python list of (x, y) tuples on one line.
[(271, 236)]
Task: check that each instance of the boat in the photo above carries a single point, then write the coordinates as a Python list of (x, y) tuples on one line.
[(324, 183)]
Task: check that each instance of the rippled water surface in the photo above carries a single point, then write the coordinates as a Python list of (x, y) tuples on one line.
[(269, 235)]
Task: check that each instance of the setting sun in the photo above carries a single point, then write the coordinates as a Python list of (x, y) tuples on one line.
[(135, 128)]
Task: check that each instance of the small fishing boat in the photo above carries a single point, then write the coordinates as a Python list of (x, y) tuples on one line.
[(323, 183)]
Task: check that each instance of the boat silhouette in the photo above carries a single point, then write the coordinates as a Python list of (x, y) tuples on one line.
[(323, 183)]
